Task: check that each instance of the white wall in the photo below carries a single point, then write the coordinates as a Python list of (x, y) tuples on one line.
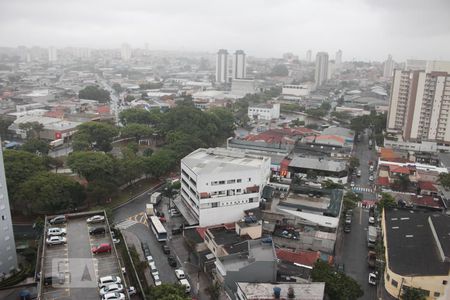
[(296, 90)]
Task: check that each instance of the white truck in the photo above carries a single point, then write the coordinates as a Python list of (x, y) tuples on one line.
[(149, 210), (155, 198), (372, 235), (56, 143)]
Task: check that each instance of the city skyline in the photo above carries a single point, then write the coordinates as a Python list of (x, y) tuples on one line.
[(263, 29)]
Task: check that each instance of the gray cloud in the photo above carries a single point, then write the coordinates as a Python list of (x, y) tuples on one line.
[(368, 29)]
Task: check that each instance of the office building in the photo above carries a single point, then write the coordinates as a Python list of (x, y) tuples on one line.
[(308, 56), (388, 67), (52, 54), (321, 73), (217, 184), (420, 103), (125, 52), (338, 59), (296, 89), (331, 69), (8, 257), (222, 66), (242, 87), (239, 65), (264, 112)]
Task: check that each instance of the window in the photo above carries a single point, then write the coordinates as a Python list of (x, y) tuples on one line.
[(231, 181), (388, 277), (394, 283), (239, 180), (238, 191), (214, 204), (249, 179), (436, 294)]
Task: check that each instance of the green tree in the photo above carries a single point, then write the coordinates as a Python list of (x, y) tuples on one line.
[(330, 184), (403, 182), (444, 180), (338, 286), (46, 192), (91, 165), (4, 125), (387, 201), (161, 162), (135, 115), (353, 163), (19, 167), (129, 98), (214, 290), (136, 131), (410, 293), (117, 88), (35, 146), (32, 129), (131, 167), (94, 136), (279, 70), (350, 200), (100, 190), (93, 92), (168, 291), (316, 112)]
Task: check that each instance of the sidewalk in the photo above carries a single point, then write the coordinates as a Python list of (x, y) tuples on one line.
[(132, 240)]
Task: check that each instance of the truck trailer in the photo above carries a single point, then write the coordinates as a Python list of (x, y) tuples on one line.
[(155, 198)]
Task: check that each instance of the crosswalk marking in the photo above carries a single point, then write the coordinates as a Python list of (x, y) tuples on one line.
[(126, 224), (360, 204), (362, 189)]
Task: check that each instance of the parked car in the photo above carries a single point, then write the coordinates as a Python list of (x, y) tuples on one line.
[(166, 249), (131, 291), (371, 178), (102, 248), (352, 184), (107, 280), (358, 173), (172, 261), (153, 268), (179, 273), (56, 240), (58, 220), (373, 278), (114, 296), (115, 287), (157, 280), (96, 219), (162, 219), (371, 220), (348, 220), (174, 212), (347, 228), (56, 231), (149, 259), (349, 212), (115, 241), (97, 230), (145, 249), (186, 285)]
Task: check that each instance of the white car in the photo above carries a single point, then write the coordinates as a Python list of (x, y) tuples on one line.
[(371, 178), (131, 291), (115, 287), (186, 285), (352, 184), (371, 220), (149, 259), (56, 240), (373, 278), (156, 279), (116, 241), (56, 231), (153, 269), (96, 219), (107, 280), (180, 274), (114, 296)]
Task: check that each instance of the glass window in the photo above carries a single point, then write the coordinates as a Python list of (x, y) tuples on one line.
[(394, 283), (436, 294)]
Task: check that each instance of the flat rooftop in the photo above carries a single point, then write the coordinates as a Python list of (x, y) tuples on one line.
[(412, 248), (256, 251), (318, 163), (304, 291), (215, 160)]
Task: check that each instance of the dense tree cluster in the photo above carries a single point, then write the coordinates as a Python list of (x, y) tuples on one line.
[(94, 136), (168, 291), (93, 92), (319, 112), (375, 121)]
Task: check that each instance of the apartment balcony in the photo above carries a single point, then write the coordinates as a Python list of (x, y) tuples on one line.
[(248, 190)]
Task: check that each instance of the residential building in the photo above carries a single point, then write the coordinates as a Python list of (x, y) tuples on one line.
[(292, 290), (8, 257), (417, 251), (264, 112), (217, 184), (420, 104), (52, 54), (338, 59), (125, 52), (324, 168), (388, 67), (321, 72), (257, 263), (308, 56), (239, 65), (222, 66), (331, 69), (296, 89)]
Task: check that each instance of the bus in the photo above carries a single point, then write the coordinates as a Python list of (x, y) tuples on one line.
[(158, 229)]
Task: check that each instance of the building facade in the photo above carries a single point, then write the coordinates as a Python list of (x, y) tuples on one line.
[(420, 104), (296, 89), (8, 257), (222, 66), (239, 65), (52, 54), (217, 184), (264, 112), (321, 73), (388, 67), (338, 59), (125, 52), (308, 56)]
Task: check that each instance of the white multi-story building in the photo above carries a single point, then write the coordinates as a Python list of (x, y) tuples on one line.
[(321, 73), (264, 112), (338, 59), (52, 54), (420, 103), (388, 67), (8, 257), (308, 56), (222, 66), (217, 184), (239, 65), (242, 87), (125, 52), (296, 89)]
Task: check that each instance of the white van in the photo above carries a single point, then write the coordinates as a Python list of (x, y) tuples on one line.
[(186, 285), (107, 280)]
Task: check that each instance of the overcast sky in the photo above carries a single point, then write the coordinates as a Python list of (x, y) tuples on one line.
[(363, 29)]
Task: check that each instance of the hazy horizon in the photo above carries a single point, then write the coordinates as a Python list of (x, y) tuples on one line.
[(364, 29)]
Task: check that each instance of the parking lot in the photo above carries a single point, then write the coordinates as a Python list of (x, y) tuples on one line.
[(75, 260)]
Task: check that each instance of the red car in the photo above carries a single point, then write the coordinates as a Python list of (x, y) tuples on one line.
[(162, 219), (102, 248)]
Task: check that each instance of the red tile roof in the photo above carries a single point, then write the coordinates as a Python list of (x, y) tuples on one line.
[(383, 181), (59, 114), (318, 138), (307, 258), (398, 169), (201, 231), (427, 201), (103, 109), (427, 185), (280, 135)]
